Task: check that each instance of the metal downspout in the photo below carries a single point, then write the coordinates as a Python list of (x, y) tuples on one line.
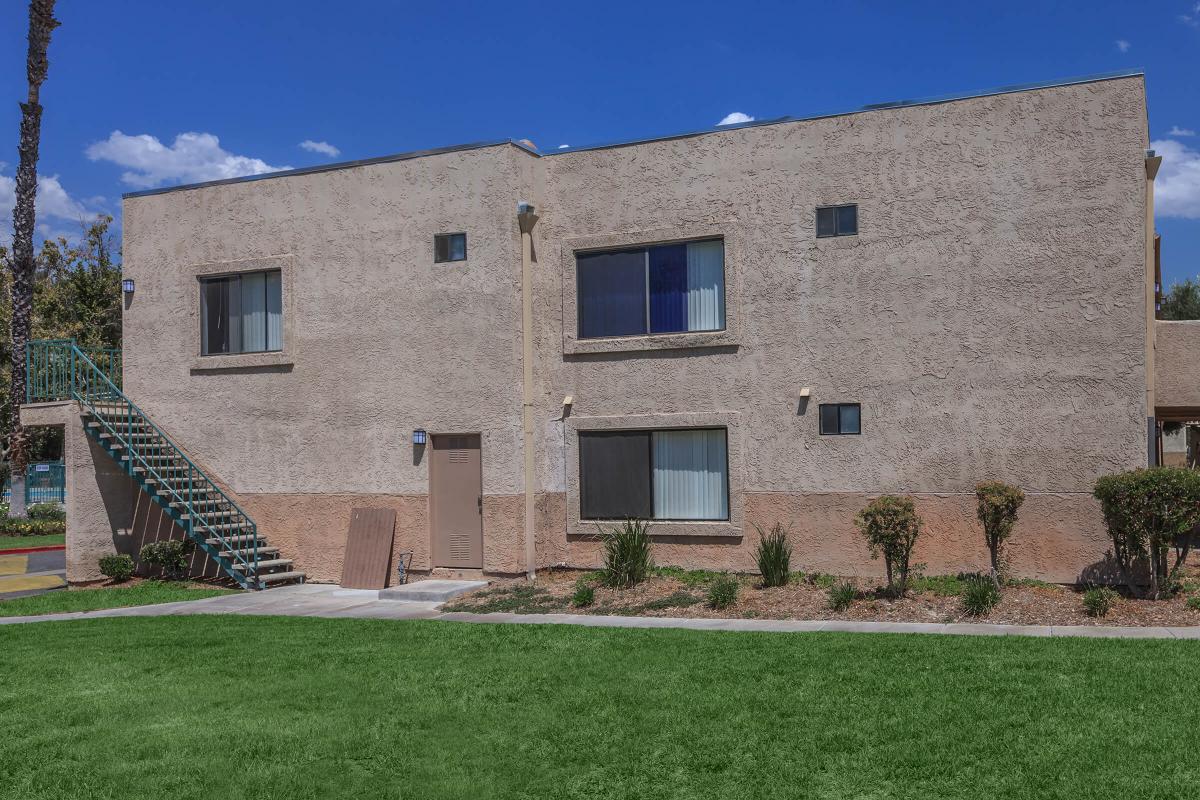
[(526, 219)]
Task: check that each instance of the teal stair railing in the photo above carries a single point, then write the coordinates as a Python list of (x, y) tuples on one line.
[(62, 370)]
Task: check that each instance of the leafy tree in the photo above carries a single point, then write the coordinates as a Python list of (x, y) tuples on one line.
[(41, 24), (997, 505), (891, 526), (1181, 301)]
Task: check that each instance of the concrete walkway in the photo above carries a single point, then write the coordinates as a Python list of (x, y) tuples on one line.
[(323, 600)]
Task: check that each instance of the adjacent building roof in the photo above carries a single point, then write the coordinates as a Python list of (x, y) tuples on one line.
[(924, 101)]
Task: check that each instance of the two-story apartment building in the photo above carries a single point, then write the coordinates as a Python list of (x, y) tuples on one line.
[(714, 331)]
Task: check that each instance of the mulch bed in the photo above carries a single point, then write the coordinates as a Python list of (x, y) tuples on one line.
[(808, 599)]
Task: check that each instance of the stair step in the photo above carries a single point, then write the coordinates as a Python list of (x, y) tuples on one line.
[(236, 539), (228, 527), (229, 512), (274, 562), (247, 554), (279, 577)]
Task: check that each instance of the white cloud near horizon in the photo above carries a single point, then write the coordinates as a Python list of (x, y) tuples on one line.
[(324, 148), (735, 118), (192, 158), (1178, 131), (1177, 186), (1123, 45), (55, 207)]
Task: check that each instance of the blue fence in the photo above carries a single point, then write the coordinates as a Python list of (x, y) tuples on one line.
[(45, 482)]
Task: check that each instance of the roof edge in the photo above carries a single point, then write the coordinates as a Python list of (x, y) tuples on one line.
[(924, 101)]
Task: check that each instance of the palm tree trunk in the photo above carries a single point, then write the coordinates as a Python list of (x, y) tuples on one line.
[(41, 24)]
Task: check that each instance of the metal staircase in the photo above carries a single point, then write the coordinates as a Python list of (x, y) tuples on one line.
[(59, 369)]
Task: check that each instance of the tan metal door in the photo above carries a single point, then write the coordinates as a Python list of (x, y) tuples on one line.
[(456, 501)]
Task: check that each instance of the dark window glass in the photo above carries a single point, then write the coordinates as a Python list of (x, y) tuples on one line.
[(449, 247), (841, 418), (847, 220), (241, 313), (612, 293), (826, 222), (215, 299), (614, 475), (671, 288), (837, 220)]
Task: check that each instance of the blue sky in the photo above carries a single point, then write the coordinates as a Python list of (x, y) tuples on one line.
[(246, 82)]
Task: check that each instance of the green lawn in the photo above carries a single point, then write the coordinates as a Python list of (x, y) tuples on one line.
[(141, 594), (204, 707), (40, 540)]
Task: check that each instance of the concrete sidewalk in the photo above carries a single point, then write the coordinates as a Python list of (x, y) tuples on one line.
[(323, 600)]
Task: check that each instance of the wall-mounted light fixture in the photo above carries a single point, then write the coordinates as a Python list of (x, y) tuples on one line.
[(419, 436), (805, 392), (127, 285)]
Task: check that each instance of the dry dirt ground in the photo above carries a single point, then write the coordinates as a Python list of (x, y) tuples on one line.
[(677, 593)]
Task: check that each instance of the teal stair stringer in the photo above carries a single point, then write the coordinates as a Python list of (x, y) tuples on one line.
[(206, 514)]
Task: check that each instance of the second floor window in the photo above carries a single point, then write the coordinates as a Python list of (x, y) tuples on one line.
[(241, 313), (670, 288)]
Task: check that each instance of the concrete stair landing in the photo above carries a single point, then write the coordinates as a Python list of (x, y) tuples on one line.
[(430, 591)]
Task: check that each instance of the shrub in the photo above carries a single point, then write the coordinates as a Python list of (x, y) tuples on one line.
[(47, 511), (627, 556), (584, 595), (1098, 601), (30, 527), (980, 596), (841, 595), (117, 567), (1146, 512), (1194, 603), (723, 592), (170, 555), (891, 526), (997, 510), (774, 555)]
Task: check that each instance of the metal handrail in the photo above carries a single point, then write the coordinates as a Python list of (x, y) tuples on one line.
[(83, 390)]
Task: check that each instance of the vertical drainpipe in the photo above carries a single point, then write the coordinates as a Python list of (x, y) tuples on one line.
[(526, 219), (1152, 164)]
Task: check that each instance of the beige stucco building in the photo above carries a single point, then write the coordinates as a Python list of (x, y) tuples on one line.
[(722, 330)]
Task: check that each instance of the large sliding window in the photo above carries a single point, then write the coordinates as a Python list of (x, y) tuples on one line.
[(671, 288), (661, 475), (241, 313)]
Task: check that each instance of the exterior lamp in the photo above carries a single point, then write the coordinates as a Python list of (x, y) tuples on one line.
[(127, 285), (418, 436)]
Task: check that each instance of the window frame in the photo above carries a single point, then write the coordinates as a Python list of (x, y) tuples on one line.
[(839, 432), (205, 280), (644, 249), (837, 232), (581, 434), (447, 237)]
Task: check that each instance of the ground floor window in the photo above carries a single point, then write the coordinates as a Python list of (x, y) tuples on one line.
[(662, 475)]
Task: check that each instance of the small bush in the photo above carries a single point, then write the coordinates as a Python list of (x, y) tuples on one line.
[(170, 555), (821, 579), (891, 526), (1098, 601), (47, 511), (584, 595), (997, 511), (774, 555), (941, 585), (118, 568), (30, 527), (980, 596), (841, 595), (1194, 603), (723, 592), (627, 556), (1147, 512)]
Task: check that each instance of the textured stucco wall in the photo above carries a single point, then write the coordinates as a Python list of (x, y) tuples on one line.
[(989, 317), (1177, 364)]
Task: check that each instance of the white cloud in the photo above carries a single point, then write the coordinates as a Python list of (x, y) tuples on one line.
[(324, 148), (1178, 131), (735, 118), (54, 206), (561, 146), (1177, 187), (1193, 18), (1123, 45), (193, 158)]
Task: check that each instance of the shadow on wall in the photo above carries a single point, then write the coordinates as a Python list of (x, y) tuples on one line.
[(150, 523)]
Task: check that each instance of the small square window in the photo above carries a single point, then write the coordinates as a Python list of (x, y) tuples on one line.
[(449, 247), (837, 220), (841, 419)]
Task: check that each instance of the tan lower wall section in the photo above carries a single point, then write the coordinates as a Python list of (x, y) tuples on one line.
[(1059, 537)]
